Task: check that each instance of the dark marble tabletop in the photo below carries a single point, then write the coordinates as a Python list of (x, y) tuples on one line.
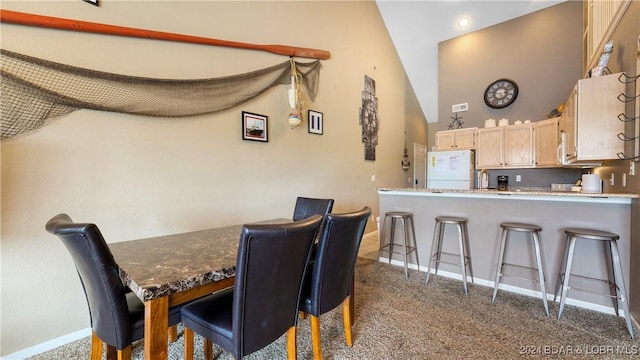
[(165, 265)]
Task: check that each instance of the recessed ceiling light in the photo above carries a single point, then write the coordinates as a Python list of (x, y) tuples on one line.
[(463, 22)]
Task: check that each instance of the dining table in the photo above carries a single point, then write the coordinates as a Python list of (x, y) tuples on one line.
[(169, 270)]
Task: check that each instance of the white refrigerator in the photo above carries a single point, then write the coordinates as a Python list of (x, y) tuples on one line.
[(450, 170)]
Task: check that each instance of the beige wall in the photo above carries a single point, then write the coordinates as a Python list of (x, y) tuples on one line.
[(138, 176)]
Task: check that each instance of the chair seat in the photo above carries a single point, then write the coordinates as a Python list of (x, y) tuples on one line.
[(198, 315)]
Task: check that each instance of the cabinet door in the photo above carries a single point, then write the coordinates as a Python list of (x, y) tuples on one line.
[(598, 125), (489, 146), (465, 139), (445, 140), (568, 126), (461, 139), (546, 133), (518, 146)]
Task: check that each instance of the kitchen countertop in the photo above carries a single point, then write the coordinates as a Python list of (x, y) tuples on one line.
[(517, 194)]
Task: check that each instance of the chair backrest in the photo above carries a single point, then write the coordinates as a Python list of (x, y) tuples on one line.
[(306, 207), (269, 271), (99, 275), (335, 260)]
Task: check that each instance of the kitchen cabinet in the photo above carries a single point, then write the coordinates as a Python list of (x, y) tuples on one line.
[(460, 139), (590, 120), (546, 147), (505, 147), (489, 148)]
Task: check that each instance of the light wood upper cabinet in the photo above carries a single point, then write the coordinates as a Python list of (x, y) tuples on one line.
[(518, 146), (546, 134), (460, 139), (505, 146), (489, 148), (590, 120)]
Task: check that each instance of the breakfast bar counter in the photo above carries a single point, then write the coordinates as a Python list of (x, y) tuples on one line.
[(553, 211)]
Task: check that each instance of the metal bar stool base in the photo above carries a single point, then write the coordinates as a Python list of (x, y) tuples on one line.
[(463, 247), (409, 242), (534, 230), (564, 275)]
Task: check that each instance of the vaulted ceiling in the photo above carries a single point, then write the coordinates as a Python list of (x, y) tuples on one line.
[(416, 28)]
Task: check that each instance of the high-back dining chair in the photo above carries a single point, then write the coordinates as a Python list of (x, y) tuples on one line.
[(306, 207), (329, 278), (117, 315), (263, 303)]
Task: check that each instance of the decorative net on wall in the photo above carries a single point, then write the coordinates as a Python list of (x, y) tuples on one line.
[(35, 90)]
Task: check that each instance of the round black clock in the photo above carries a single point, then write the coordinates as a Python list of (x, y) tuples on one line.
[(501, 93)]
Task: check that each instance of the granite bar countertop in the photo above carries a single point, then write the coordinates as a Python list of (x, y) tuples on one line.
[(517, 194)]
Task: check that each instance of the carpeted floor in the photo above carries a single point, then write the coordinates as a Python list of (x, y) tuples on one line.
[(398, 319)]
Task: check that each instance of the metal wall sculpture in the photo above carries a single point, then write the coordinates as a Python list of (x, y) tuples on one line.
[(369, 118)]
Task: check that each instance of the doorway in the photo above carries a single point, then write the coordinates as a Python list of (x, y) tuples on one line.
[(420, 166)]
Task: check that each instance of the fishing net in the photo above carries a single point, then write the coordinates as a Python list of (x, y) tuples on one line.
[(35, 90)]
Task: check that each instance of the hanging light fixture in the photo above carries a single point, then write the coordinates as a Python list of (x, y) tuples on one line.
[(295, 101)]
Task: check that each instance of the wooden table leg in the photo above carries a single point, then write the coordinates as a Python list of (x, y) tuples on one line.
[(156, 319)]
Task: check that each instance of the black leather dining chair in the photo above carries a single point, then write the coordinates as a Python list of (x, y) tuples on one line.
[(117, 314), (306, 207), (329, 278), (263, 303)]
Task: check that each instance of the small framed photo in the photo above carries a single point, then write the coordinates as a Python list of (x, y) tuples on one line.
[(315, 122), (255, 127)]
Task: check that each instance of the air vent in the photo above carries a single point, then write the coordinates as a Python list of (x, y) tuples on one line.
[(460, 107)]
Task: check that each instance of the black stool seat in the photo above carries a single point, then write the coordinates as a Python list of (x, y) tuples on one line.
[(534, 231), (409, 242), (611, 248)]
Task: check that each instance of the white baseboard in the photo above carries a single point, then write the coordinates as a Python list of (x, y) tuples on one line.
[(48, 345)]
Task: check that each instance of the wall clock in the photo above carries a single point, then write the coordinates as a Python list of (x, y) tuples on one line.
[(501, 93)]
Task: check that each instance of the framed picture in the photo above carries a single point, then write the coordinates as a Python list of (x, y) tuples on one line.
[(315, 122), (255, 127)]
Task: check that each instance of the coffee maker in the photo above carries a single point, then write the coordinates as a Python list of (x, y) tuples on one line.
[(503, 182)]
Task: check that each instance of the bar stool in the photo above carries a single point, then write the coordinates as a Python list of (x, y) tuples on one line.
[(463, 245), (572, 234), (534, 231), (408, 244)]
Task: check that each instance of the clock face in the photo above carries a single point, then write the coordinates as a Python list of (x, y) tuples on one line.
[(501, 93)]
